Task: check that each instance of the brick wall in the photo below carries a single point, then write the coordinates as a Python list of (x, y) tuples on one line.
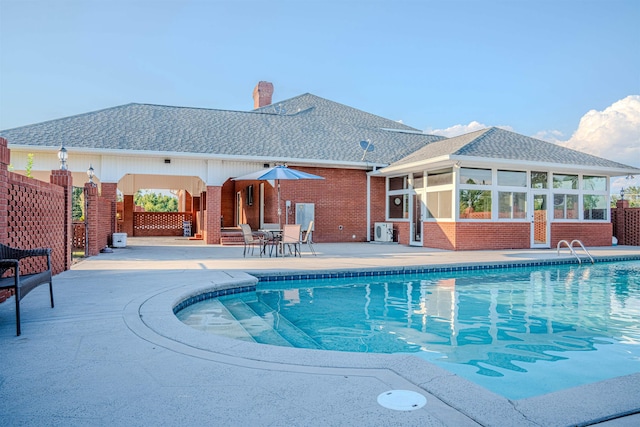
[(147, 224), (492, 235), (78, 235), (441, 235), (35, 214), (464, 236), (632, 226), (626, 223), (591, 234), (212, 212), (401, 232), (340, 203), (106, 215), (36, 218), (227, 209)]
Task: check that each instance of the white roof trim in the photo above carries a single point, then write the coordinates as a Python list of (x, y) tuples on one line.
[(201, 156), (466, 161)]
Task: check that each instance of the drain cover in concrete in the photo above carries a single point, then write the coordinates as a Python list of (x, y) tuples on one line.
[(402, 400)]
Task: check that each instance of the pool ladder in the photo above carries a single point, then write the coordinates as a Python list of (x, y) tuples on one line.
[(570, 246)]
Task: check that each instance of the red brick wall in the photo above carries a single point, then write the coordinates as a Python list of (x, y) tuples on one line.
[(340, 202), (626, 223), (79, 229), (147, 224), (591, 234), (401, 232), (35, 214), (467, 236), (632, 226), (492, 235), (228, 202), (36, 218), (212, 212), (441, 235), (106, 225)]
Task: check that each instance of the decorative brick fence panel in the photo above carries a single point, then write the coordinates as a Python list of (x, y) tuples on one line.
[(36, 218), (626, 223), (632, 226), (79, 233), (149, 224)]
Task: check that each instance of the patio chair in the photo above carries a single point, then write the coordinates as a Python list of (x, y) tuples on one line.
[(22, 284), (307, 238), (290, 237), (251, 240)]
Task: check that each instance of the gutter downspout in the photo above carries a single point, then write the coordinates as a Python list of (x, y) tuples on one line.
[(369, 203)]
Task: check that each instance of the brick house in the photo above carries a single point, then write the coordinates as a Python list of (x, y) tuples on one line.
[(486, 190)]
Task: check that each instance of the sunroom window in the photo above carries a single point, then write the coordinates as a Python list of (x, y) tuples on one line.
[(398, 197), (512, 178), (512, 205), (594, 183), (398, 206), (472, 176), (475, 204), (567, 182), (398, 183), (539, 180), (565, 206), (439, 204), (594, 207)]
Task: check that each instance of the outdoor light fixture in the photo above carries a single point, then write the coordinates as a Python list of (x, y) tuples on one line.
[(90, 173), (63, 155), (622, 193)]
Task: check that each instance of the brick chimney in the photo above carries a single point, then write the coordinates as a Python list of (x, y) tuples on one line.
[(262, 94)]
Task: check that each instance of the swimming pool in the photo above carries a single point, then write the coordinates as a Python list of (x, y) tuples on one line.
[(518, 332)]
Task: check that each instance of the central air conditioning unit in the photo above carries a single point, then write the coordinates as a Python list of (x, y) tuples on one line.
[(383, 232)]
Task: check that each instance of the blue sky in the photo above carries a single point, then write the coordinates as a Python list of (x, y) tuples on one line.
[(536, 67)]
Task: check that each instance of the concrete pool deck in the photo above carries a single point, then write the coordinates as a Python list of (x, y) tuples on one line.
[(112, 353)]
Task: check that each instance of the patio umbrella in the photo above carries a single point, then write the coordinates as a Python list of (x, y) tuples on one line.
[(277, 173)]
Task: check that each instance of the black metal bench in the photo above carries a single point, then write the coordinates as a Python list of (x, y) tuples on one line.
[(22, 284)]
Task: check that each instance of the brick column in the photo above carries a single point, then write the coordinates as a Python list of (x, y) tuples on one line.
[(5, 156), (65, 180), (109, 191), (212, 220), (91, 217), (188, 202), (5, 159), (621, 205), (127, 214), (195, 209)]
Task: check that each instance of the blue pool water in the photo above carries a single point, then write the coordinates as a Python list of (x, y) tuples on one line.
[(518, 332)]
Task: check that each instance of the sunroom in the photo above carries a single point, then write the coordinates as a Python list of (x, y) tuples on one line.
[(494, 189)]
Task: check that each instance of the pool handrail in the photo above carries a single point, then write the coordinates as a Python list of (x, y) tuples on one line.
[(570, 246)]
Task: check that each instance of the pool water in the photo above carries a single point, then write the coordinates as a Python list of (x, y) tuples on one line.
[(518, 332)]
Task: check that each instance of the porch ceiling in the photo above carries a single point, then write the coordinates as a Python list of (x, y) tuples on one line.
[(131, 183)]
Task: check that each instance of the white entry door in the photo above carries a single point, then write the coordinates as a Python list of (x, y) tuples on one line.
[(540, 229), (416, 221)]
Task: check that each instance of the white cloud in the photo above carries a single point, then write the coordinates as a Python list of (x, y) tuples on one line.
[(613, 133), (456, 130)]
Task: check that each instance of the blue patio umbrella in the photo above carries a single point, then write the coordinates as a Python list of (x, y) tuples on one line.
[(277, 173)]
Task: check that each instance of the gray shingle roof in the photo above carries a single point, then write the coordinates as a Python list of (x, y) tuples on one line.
[(304, 127), (496, 143)]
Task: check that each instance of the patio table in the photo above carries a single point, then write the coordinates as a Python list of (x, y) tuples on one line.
[(272, 237)]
